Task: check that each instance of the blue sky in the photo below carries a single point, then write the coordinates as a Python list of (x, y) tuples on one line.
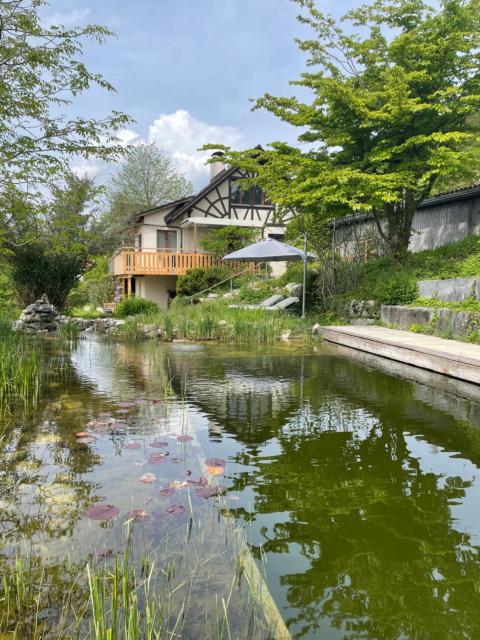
[(186, 69)]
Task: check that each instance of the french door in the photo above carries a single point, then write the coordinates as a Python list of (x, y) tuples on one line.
[(166, 240)]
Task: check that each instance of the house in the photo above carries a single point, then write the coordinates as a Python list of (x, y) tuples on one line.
[(168, 237)]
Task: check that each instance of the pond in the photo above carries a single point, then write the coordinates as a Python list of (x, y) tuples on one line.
[(352, 482)]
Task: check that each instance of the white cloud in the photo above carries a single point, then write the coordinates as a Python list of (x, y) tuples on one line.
[(67, 18), (180, 135)]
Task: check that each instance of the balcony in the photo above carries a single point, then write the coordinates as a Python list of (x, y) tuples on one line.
[(129, 262)]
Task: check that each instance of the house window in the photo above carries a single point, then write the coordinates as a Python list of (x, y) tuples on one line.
[(166, 240), (253, 197)]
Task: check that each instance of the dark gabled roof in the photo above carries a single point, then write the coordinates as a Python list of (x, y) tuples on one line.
[(173, 203), (448, 196), (178, 211)]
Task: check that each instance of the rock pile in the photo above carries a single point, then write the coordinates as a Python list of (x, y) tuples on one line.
[(39, 316)]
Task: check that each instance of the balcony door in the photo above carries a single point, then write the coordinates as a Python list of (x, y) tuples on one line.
[(166, 240)]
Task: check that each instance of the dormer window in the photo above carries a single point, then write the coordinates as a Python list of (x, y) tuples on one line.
[(253, 197)]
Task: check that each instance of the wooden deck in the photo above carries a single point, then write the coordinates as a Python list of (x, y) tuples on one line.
[(449, 357), (134, 262)]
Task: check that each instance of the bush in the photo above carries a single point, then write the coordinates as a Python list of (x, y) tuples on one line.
[(96, 287), (135, 307), (197, 280), (395, 289)]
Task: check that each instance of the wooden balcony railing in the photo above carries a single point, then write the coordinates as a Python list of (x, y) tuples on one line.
[(136, 262)]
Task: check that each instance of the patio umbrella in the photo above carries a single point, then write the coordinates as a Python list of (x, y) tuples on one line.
[(270, 250)]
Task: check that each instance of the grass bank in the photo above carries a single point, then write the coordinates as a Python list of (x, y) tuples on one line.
[(216, 321), (390, 282)]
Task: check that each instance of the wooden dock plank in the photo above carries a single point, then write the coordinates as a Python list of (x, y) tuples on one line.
[(448, 357)]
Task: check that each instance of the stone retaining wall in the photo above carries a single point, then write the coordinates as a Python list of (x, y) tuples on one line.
[(447, 321)]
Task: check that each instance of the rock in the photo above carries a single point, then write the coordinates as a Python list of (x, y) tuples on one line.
[(403, 317), (451, 290), (294, 289), (212, 296), (363, 309), (41, 316), (316, 329), (231, 294), (286, 335)]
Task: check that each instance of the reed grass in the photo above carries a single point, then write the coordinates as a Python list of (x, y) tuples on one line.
[(216, 321)]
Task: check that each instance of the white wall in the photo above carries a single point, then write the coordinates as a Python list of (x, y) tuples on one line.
[(155, 288)]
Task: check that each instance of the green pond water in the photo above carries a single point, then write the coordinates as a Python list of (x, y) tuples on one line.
[(354, 481)]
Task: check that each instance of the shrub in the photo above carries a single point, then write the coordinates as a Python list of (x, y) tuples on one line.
[(135, 307), (395, 289), (197, 280), (96, 287)]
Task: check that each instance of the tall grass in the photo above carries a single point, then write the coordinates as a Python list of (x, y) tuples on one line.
[(216, 321), (20, 368)]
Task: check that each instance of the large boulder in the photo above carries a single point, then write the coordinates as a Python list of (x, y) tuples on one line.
[(39, 316)]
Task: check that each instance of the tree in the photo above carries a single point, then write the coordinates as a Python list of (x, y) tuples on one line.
[(145, 180), (395, 84), (224, 240), (41, 72), (53, 261)]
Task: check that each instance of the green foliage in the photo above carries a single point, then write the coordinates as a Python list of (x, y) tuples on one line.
[(396, 86), (472, 304), (54, 259), (134, 307), (146, 179), (96, 287), (42, 73), (256, 291), (86, 312), (196, 280), (228, 239), (398, 288)]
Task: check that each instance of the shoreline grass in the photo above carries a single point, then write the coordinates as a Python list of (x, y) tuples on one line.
[(215, 321)]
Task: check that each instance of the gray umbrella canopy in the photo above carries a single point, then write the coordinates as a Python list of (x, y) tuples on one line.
[(268, 250)]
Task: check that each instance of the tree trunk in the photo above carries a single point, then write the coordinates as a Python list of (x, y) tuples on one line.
[(399, 218)]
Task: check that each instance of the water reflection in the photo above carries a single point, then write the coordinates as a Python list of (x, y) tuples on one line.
[(360, 487)]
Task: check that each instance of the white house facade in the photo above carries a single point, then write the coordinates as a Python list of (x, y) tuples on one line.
[(168, 238)]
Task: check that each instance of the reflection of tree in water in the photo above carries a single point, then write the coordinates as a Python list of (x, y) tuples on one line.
[(384, 556)]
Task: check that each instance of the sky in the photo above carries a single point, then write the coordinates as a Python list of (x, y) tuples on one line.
[(186, 71)]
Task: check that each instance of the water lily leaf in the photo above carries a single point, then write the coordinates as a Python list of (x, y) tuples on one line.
[(105, 414), (118, 426), (215, 471), (148, 478), (137, 514), (133, 445), (184, 438), (176, 460), (140, 401), (82, 434), (122, 411), (101, 511), (175, 509), (210, 491), (157, 458), (198, 483), (85, 440), (215, 462), (178, 484), (125, 404), (166, 492), (158, 444)]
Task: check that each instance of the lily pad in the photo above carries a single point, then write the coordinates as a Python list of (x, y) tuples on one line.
[(184, 438), (210, 491), (86, 440), (215, 471), (105, 414), (166, 492), (137, 514), (175, 509), (102, 511), (148, 478), (158, 444), (176, 460), (157, 458), (122, 411), (118, 426), (215, 462), (125, 404), (82, 434), (178, 484), (201, 482), (133, 445)]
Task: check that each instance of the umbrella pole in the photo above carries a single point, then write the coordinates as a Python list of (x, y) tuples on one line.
[(304, 274)]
